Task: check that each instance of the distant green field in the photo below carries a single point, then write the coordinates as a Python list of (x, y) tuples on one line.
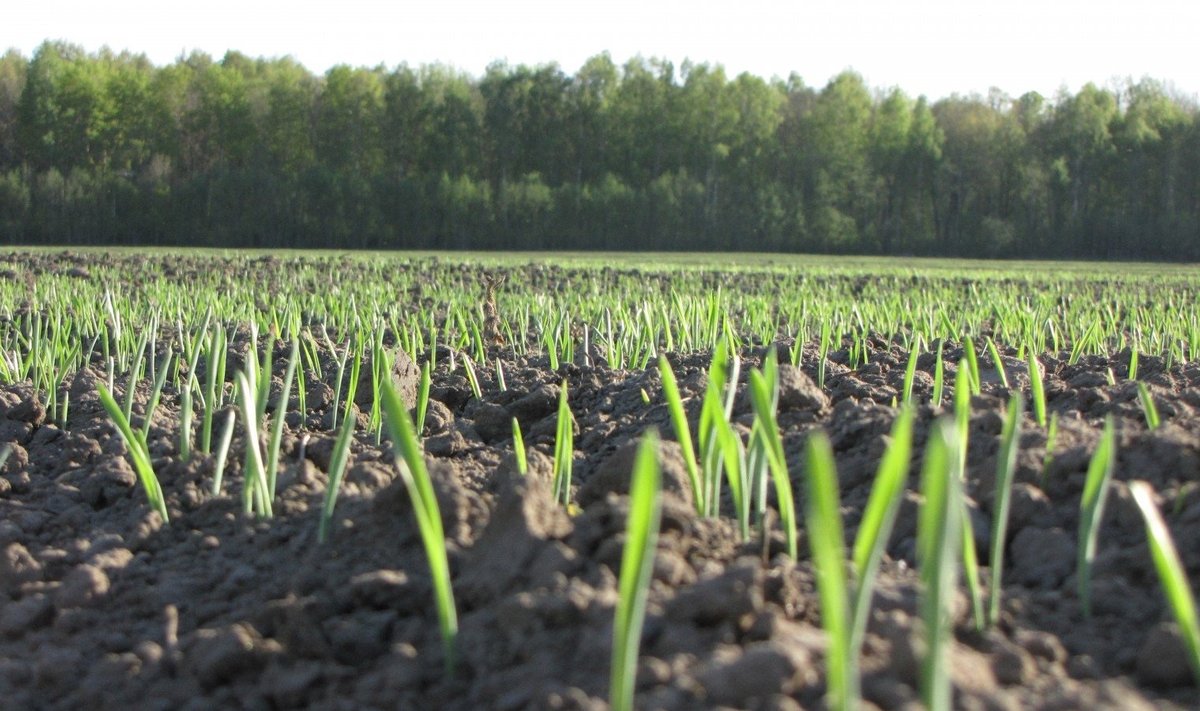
[(698, 260)]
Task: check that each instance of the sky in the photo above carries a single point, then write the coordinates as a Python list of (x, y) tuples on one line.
[(930, 47)]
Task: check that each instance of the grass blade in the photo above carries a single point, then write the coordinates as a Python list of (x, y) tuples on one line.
[(939, 377), (878, 518), (910, 370), (939, 534), (1006, 467), (973, 365), (564, 448), (1171, 573), (760, 396), (1095, 493), (637, 564), (1036, 391), (423, 397), (682, 433), (337, 470), (223, 452), (519, 448), (254, 492), (138, 453), (995, 353), (827, 542), (410, 460), (1149, 409)]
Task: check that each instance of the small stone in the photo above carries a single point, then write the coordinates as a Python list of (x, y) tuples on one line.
[(217, 655), (492, 421), (615, 472), (29, 410), (797, 391), (81, 587), (763, 669), (380, 589), (17, 567), (1163, 659), (29, 613), (1043, 645), (1042, 557), (1012, 665), (735, 592)]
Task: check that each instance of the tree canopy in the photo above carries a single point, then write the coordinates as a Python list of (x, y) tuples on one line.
[(108, 148)]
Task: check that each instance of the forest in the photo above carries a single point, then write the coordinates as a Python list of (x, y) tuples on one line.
[(107, 148)]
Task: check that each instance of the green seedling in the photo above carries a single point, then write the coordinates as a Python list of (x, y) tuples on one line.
[(1051, 443), (910, 370), (156, 393), (139, 453), (519, 448), (973, 366), (423, 396), (254, 489), (1149, 409), (761, 398), (222, 453), (1006, 467), (410, 460), (472, 379), (939, 534), (281, 407), (682, 433), (1171, 572), (1036, 391), (637, 564), (939, 377), (185, 424), (564, 448), (337, 470), (826, 540), (878, 519), (962, 417), (995, 354), (1091, 511)]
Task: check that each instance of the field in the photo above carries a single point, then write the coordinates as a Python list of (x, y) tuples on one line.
[(174, 545)]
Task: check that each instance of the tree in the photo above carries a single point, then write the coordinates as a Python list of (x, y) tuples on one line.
[(838, 174), (349, 120), (12, 85)]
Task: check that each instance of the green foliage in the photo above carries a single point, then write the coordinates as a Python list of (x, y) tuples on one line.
[(258, 152)]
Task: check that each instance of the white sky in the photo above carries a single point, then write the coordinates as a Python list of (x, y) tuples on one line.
[(931, 47)]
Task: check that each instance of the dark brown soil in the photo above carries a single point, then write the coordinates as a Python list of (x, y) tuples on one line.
[(103, 606)]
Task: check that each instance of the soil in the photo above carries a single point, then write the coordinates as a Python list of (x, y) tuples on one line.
[(102, 605)]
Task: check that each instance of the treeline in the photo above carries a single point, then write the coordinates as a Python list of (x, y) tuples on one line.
[(109, 149)]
